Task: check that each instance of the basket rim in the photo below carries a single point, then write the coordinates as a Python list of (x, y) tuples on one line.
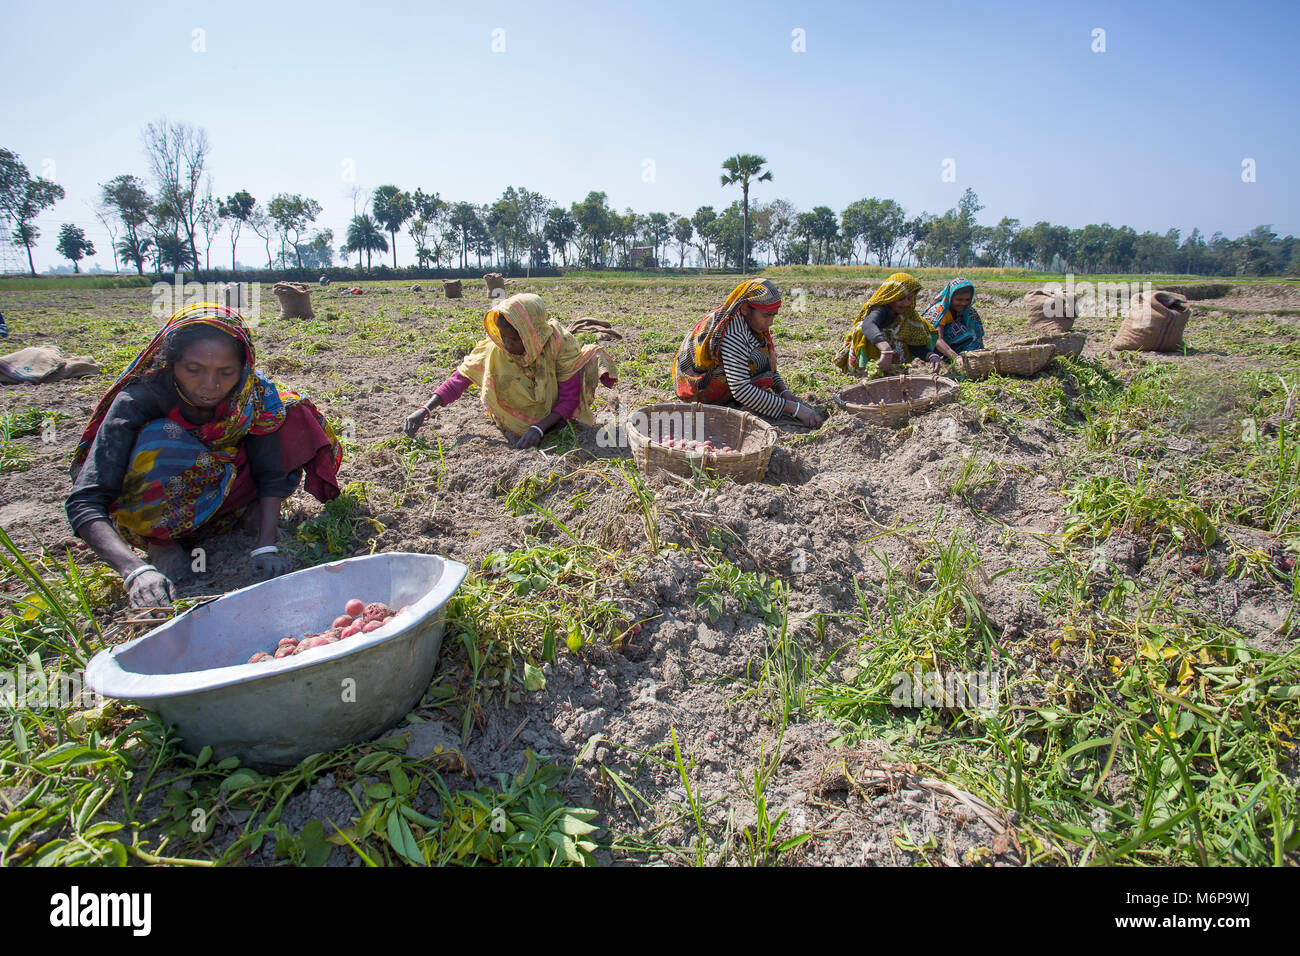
[(769, 431), (948, 384)]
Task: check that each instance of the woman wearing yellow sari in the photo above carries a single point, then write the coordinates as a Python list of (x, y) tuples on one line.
[(889, 330), (532, 373)]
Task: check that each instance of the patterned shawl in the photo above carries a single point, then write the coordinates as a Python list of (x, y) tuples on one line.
[(963, 332), (255, 406)]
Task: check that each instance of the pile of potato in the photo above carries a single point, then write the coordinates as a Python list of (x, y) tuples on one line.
[(687, 444), (357, 618)]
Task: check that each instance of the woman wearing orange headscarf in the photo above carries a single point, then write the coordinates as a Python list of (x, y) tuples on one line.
[(729, 356)]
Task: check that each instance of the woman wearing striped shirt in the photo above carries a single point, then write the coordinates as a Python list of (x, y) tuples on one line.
[(729, 356)]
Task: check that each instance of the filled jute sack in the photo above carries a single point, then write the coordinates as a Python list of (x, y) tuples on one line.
[(1154, 323), (295, 300), (1051, 311), (494, 280), (451, 288)]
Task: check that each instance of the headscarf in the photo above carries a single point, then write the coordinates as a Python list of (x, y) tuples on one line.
[(520, 390), (700, 351), (910, 328), (254, 407)]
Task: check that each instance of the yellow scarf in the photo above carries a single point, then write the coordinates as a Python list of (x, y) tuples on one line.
[(520, 390)]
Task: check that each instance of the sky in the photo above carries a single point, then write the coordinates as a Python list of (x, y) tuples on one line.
[(1134, 113)]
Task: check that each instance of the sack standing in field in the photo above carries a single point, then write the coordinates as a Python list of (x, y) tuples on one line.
[(729, 357), (451, 288), (189, 439), (1154, 323), (532, 373), (295, 300), (1051, 311), (495, 283)]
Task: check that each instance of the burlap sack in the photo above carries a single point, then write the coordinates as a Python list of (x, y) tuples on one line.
[(494, 280), (1051, 311), (1154, 323), (451, 288), (295, 300)]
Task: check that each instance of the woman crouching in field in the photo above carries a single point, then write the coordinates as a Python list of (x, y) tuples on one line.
[(532, 373), (729, 357), (953, 315), (889, 331), (186, 440)]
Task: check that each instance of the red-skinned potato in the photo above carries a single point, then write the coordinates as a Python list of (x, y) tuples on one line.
[(284, 650), (354, 608), (371, 626), (342, 621)]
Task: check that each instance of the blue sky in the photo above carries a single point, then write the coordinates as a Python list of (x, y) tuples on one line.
[(1151, 133)]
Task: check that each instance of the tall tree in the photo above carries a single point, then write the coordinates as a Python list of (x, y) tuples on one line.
[(744, 168), (238, 209), (682, 232), (292, 214), (22, 199), (74, 245), (365, 236), (391, 208), (210, 221), (177, 154), (559, 231), (104, 214), (703, 222)]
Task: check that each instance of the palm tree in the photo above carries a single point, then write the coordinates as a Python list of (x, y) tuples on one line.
[(742, 168), (392, 208), (364, 236)]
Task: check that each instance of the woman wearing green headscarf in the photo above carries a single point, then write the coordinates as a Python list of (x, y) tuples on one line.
[(889, 330), (955, 317)]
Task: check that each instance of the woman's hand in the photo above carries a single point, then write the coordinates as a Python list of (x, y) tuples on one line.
[(887, 357), (151, 588), (414, 420), (529, 439), (809, 416), (273, 564)]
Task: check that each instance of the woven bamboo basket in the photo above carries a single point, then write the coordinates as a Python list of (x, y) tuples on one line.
[(753, 438), (894, 400), (1069, 344), (978, 364), (451, 288), (1020, 360)]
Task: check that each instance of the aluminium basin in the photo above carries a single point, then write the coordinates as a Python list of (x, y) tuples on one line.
[(192, 669)]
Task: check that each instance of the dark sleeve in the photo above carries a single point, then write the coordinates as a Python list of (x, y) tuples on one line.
[(872, 323), (99, 483), (267, 466)]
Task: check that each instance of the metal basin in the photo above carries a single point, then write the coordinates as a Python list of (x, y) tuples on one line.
[(192, 669)]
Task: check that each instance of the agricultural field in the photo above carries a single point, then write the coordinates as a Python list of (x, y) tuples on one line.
[(650, 671)]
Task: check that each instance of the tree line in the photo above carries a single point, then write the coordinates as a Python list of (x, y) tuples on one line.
[(162, 221)]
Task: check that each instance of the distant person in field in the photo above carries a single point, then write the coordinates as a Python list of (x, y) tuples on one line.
[(889, 331), (955, 317), (190, 439), (729, 357), (532, 373)]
